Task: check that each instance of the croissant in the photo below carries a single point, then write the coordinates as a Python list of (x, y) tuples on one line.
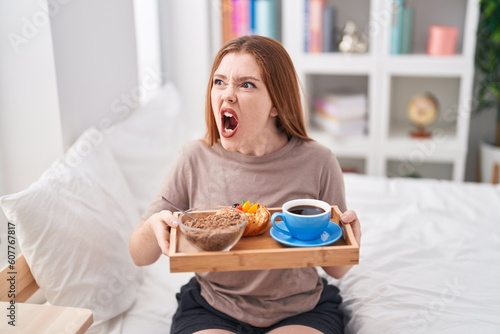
[(258, 217), (257, 222)]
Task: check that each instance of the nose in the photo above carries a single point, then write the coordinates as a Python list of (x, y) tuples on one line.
[(229, 94)]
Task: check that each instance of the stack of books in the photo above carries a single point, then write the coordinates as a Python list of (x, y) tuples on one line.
[(341, 114), (402, 28), (320, 27), (247, 17)]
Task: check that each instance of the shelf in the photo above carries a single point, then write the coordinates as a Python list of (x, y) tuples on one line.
[(424, 65), (336, 63), (442, 137), (407, 167), (348, 146), (446, 90), (357, 11), (322, 83), (353, 165), (435, 12)]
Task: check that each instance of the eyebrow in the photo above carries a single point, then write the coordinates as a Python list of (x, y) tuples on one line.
[(240, 79)]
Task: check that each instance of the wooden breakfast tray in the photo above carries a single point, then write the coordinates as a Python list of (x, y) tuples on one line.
[(262, 252)]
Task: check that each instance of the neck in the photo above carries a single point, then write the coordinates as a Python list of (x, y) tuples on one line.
[(266, 145)]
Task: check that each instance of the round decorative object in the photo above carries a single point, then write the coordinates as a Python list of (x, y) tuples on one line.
[(422, 111)]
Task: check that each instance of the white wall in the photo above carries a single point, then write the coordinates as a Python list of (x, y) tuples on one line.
[(96, 63), (75, 63), (147, 31), (482, 126), (30, 132), (187, 55), (65, 65)]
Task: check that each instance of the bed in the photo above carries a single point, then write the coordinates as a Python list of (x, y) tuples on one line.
[(429, 258)]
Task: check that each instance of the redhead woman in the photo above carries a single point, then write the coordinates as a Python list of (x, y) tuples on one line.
[(256, 147)]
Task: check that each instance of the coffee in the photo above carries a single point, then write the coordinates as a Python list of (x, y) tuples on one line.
[(306, 210), (304, 218)]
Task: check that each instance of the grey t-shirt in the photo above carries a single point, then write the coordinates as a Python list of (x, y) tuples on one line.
[(204, 177)]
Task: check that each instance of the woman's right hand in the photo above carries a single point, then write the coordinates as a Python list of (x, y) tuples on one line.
[(160, 223), (151, 238)]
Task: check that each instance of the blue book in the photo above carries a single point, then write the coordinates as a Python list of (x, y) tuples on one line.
[(252, 16), (407, 31), (266, 18), (306, 25), (329, 43), (397, 26)]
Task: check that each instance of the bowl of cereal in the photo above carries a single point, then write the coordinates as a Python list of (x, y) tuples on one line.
[(213, 230)]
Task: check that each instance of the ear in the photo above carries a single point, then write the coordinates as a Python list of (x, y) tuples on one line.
[(273, 112)]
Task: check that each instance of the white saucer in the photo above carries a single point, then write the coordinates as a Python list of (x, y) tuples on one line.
[(332, 233)]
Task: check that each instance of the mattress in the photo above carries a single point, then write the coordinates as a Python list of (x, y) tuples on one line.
[(429, 257)]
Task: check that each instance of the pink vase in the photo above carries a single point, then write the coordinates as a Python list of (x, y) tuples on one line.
[(442, 40)]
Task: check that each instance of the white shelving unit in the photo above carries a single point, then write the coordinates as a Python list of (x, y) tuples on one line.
[(389, 81)]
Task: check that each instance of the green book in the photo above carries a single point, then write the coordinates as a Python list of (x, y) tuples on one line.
[(407, 31)]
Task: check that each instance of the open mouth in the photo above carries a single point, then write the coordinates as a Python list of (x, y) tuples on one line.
[(230, 124)]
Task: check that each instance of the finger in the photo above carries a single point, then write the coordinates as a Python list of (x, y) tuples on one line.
[(168, 218), (163, 237), (349, 217), (161, 230)]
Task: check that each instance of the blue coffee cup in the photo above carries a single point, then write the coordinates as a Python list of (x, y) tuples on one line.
[(305, 219)]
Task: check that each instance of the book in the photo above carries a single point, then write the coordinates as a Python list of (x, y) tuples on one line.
[(241, 17), (342, 106), (266, 18), (329, 43), (252, 16), (397, 26), (337, 127), (315, 25), (227, 20), (407, 31), (307, 26)]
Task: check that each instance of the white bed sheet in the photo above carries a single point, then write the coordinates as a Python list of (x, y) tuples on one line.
[(155, 305), (429, 262)]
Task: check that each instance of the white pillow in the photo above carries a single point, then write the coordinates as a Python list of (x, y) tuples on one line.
[(73, 226), (146, 142)]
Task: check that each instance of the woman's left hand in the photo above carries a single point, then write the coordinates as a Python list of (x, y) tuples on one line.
[(350, 217)]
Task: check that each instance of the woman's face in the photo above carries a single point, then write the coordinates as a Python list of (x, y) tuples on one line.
[(242, 106)]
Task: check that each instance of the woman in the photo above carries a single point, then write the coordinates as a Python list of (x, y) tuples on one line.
[(256, 148)]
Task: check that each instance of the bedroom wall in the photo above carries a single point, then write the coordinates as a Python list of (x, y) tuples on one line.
[(96, 62), (187, 55), (30, 134), (65, 65), (482, 126)]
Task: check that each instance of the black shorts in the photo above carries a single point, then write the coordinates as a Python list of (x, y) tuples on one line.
[(195, 314)]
